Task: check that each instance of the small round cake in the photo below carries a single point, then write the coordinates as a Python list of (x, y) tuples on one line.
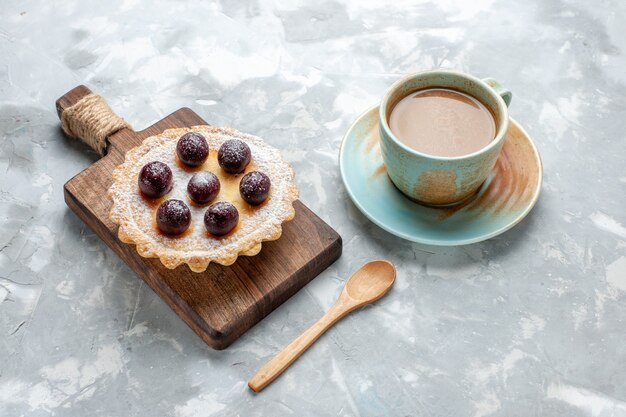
[(249, 187)]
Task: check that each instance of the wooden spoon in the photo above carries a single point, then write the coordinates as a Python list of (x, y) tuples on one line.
[(366, 285)]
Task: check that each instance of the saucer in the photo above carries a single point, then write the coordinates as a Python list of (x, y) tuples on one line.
[(504, 199)]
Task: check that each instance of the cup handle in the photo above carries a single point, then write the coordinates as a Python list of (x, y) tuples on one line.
[(502, 91)]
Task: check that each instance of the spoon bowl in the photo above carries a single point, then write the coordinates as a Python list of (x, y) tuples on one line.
[(371, 281)]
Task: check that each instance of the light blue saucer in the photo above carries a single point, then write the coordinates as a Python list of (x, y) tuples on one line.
[(505, 198)]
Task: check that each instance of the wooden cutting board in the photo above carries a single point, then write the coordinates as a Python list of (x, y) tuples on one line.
[(224, 301)]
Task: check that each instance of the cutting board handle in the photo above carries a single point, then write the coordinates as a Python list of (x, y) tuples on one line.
[(87, 116)]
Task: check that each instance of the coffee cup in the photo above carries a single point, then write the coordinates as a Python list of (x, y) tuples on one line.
[(434, 179)]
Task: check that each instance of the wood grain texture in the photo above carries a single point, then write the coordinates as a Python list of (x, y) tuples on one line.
[(223, 302)]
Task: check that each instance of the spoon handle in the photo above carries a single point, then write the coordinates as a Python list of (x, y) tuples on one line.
[(291, 352)]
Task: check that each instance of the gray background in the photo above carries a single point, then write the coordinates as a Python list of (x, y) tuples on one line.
[(529, 323)]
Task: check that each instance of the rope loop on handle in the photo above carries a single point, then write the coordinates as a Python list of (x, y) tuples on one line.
[(92, 121)]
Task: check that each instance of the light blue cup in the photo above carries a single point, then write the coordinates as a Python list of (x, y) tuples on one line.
[(439, 180)]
